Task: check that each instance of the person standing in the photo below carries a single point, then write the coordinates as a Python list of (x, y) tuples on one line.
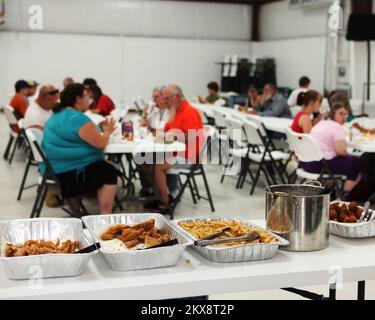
[(304, 83)]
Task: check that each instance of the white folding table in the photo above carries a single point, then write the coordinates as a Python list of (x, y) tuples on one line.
[(271, 123), (347, 260)]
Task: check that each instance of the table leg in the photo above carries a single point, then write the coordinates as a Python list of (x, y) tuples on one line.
[(361, 290), (332, 291)]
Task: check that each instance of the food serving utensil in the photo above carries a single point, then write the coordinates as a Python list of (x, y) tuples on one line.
[(249, 237), (365, 212), (265, 181), (217, 234), (165, 244), (93, 247)]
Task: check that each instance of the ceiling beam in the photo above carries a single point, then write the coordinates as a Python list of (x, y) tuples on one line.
[(249, 2), (255, 22)]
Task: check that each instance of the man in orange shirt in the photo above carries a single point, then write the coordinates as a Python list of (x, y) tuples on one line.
[(20, 102), (184, 120)]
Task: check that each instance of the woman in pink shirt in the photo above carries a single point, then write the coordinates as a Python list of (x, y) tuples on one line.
[(330, 135)]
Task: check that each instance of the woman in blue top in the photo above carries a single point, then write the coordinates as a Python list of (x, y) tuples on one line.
[(74, 146)]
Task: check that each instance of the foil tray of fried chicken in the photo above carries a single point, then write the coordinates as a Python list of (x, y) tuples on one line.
[(135, 241), (344, 221), (43, 248)]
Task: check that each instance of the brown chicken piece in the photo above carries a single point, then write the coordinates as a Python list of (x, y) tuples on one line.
[(113, 232), (341, 217), (150, 241), (132, 243), (130, 234), (147, 225), (332, 214), (358, 212), (350, 219), (36, 247), (353, 206)]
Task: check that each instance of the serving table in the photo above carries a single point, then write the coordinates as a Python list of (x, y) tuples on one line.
[(346, 260)]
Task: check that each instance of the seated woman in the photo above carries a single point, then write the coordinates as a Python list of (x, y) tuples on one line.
[(330, 135), (253, 100), (74, 146), (101, 104), (310, 102)]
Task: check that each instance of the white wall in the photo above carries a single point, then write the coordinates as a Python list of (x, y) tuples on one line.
[(123, 66), (135, 18), (295, 58), (129, 46), (279, 21)]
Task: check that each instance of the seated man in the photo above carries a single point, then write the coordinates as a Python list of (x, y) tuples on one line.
[(154, 114), (32, 91), (154, 117), (40, 110), (213, 93), (186, 120), (36, 116), (19, 101), (274, 104)]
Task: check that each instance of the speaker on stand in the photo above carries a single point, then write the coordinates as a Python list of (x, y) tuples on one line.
[(361, 27)]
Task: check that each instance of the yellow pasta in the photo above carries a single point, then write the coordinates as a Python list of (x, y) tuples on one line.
[(203, 228)]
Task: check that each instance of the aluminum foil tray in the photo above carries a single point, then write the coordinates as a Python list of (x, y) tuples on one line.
[(352, 230), (240, 253), (138, 259), (47, 265)]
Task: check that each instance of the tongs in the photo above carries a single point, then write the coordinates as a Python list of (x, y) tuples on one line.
[(366, 213), (249, 237), (164, 244), (93, 247)]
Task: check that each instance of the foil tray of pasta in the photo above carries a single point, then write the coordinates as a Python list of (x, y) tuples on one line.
[(43, 248), (262, 248), (136, 241)]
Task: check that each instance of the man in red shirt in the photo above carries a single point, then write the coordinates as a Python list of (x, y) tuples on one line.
[(20, 102), (184, 121), (184, 117)]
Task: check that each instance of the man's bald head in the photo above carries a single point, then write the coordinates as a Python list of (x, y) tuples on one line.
[(48, 96)]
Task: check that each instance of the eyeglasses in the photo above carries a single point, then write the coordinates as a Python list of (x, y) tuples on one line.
[(344, 114), (171, 96), (51, 93)]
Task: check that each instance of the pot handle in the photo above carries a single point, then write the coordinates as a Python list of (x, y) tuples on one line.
[(285, 195), (312, 182)]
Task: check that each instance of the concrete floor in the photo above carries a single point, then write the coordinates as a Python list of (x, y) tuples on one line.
[(229, 202)]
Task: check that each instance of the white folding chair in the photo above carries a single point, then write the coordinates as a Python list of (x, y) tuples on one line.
[(48, 178), (307, 149), (238, 149), (261, 153), (191, 171), (120, 113), (15, 135), (203, 116)]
